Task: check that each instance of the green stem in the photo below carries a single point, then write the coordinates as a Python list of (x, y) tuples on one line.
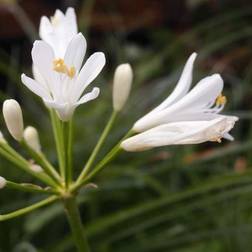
[(109, 157), (11, 155), (74, 219), (40, 158), (25, 187), (58, 137), (28, 209), (24, 21), (97, 148), (68, 145)]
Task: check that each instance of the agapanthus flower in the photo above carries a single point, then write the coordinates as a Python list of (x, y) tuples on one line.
[(60, 82), (183, 132), (59, 30), (185, 117)]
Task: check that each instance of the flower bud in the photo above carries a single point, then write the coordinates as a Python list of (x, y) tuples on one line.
[(31, 137), (13, 118), (3, 182), (122, 84), (36, 168)]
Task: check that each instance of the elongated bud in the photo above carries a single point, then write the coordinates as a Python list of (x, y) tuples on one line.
[(36, 168), (3, 182), (122, 85), (31, 137), (13, 118)]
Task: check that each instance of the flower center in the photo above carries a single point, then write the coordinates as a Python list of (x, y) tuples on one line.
[(221, 100), (60, 67)]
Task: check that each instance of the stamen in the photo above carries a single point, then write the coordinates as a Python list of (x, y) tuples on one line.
[(221, 100), (71, 72), (217, 139), (60, 67)]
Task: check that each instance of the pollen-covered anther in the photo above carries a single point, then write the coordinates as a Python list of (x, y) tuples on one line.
[(71, 72), (221, 100), (60, 67), (217, 139)]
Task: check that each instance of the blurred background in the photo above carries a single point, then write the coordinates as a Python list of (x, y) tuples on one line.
[(179, 198)]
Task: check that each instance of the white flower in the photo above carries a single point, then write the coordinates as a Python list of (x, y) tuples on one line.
[(59, 30), (13, 118), (184, 132), (3, 182), (185, 117), (31, 137), (62, 81), (203, 102), (121, 86)]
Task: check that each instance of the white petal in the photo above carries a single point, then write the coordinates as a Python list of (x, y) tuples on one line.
[(35, 87), (88, 73), (71, 20), (45, 29), (89, 96), (64, 111), (180, 133), (204, 93), (43, 57), (182, 87), (59, 15), (228, 137), (75, 52), (39, 78)]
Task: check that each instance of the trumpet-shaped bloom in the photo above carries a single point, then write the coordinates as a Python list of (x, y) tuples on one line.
[(185, 117), (59, 30), (60, 82), (203, 102), (183, 132)]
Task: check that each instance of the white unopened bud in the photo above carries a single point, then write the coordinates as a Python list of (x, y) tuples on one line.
[(31, 137), (36, 168), (122, 85), (13, 118), (3, 182)]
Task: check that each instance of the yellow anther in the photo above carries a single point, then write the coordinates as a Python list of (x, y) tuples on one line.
[(221, 100), (217, 139), (71, 72), (60, 67)]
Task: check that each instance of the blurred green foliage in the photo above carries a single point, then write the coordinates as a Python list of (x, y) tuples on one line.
[(182, 198)]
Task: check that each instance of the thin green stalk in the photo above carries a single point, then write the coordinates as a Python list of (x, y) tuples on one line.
[(67, 136), (28, 209), (11, 155), (97, 148), (74, 219), (24, 21), (109, 157), (25, 187), (40, 158), (58, 137)]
